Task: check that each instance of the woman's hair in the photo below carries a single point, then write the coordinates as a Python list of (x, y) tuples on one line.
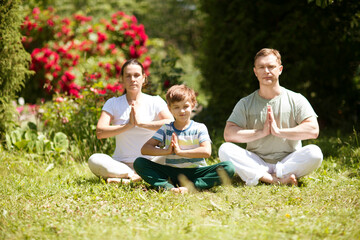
[(179, 93), (266, 52), (134, 61)]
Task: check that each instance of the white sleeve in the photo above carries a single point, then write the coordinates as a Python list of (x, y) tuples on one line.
[(109, 106), (159, 104)]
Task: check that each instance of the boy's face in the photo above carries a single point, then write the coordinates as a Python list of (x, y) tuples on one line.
[(181, 110)]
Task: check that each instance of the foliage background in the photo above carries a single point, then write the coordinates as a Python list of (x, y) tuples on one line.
[(14, 60), (319, 47), (45, 194)]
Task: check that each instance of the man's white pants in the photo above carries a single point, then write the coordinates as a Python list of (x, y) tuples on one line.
[(102, 165), (250, 167)]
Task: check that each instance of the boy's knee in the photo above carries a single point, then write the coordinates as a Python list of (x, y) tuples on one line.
[(139, 163)]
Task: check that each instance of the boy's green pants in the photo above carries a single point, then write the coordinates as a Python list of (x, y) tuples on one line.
[(163, 176)]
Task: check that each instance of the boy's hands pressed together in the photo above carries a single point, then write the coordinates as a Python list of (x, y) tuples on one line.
[(175, 144)]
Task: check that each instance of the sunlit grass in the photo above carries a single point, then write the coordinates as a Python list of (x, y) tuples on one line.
[(65, 201)]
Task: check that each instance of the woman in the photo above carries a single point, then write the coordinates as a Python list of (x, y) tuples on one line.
[(132, 118)]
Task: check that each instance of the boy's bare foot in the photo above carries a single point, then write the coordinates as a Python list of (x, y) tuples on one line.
[(118, 180), (181, 190), (186, 183)]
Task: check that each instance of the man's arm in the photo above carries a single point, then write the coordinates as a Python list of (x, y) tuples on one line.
[(234, 133), (307, 129)]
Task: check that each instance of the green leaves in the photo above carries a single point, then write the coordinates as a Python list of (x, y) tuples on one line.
[(29, 140), (61, 142)]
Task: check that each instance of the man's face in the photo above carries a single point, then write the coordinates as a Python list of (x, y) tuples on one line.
[(267, 70)]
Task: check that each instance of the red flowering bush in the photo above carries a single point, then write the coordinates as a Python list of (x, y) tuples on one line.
[(69, 52)]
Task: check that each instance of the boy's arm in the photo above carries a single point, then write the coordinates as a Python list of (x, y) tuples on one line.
[(203, 151), (150, 148)]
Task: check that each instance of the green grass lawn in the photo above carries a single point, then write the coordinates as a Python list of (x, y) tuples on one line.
[(39, 200)]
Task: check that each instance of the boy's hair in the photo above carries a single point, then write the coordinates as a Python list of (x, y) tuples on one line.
[(179, 93), (266, 52)]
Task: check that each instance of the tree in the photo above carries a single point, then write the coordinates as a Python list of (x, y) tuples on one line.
[(14, 60), (320, 50)]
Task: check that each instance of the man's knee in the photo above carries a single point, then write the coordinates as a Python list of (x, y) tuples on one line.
[(224, 150), (315, 153)]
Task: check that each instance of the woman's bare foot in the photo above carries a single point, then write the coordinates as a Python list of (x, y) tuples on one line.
[(118, 180), (181, 190), (135, 178)]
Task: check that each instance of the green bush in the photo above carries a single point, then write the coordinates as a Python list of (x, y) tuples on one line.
[(77, 118), (319, 47), (28, 139), (14, 60)]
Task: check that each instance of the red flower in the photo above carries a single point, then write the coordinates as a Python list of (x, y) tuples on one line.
[(59, 99), (50, 22), (36, 11), (133, 19), (101, 37), (66, 21), (114, 21)]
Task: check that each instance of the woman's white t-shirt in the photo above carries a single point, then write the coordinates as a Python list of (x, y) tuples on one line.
[(129, 143)]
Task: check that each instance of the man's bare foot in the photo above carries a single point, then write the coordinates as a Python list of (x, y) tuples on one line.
[(118, 180), (273, 179), (181, 190), (289, 180)]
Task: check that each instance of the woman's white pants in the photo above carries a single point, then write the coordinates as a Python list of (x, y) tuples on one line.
[(102, 165)]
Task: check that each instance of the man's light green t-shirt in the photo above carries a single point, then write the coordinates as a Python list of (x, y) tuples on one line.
[(289, 109)]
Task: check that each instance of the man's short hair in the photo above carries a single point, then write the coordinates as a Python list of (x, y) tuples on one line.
[(266, 52), (179, 93)]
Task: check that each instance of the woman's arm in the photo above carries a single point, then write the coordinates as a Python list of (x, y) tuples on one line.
[(104, 129), (150, 148), (164, 117)]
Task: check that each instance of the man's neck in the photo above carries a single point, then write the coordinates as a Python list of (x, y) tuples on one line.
[(269, 92)]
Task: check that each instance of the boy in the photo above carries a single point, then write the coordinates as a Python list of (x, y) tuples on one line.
[(185, 143)]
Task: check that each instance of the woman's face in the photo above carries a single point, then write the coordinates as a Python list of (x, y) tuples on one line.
[(133, 78)]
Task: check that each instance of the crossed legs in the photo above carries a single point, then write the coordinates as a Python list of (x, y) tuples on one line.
[(113, 171), (251, 168)]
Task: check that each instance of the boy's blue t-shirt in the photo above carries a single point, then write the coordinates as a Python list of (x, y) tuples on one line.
[(189, 138)]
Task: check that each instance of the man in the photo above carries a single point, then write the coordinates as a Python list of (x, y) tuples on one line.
[(272, 121)]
